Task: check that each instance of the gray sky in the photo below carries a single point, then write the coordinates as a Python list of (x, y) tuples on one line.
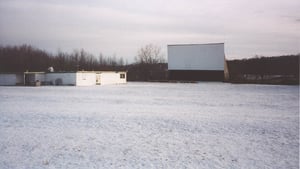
[(121, 27)]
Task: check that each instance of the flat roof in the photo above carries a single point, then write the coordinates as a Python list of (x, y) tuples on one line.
[(11, 72), (34, 72), (100, 71), (191, 44), (63, 72), (74, 72)]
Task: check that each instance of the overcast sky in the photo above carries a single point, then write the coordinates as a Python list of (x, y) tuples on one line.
[(121, 27)]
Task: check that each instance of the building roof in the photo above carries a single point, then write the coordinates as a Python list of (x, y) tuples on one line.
[(74, 72), (196, 44)]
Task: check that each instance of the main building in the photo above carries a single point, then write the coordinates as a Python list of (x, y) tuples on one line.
[(196, 62)]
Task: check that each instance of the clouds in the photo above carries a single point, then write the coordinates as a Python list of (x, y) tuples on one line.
[(121, 27)]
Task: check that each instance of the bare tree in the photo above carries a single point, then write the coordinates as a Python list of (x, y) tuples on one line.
[(148, 62), (150, 54)]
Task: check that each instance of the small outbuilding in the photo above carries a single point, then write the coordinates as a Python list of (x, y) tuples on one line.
[(11, 79)]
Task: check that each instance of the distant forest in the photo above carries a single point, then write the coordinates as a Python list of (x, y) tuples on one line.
[(27, 58), (273, 70), (149, 64)]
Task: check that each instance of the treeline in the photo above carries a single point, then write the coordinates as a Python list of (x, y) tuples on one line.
[(149, 63), (274, 70), (27, 58)]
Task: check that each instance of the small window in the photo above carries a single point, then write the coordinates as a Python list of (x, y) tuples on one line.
[(122, 76)]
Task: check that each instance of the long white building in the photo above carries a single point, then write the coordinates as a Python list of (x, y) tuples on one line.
[(80, 78), (196, 62)]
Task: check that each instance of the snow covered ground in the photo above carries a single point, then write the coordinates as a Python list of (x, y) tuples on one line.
[(150, 125)]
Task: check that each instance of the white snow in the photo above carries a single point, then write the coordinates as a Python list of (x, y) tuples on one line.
[(150, 125)]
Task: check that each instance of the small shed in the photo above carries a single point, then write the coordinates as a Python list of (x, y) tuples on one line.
[(11, 79)]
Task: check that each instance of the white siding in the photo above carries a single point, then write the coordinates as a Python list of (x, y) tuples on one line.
[(69, 78), (20, 79), (64, 78), (11, 79), (196, 57), (85, 78), (112, 78)]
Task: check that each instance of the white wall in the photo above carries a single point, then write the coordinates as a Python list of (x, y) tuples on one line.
[(71, 78), (112, 78), (20, 79), (11, 79), (196, 57), (85, 78), (66, 78)]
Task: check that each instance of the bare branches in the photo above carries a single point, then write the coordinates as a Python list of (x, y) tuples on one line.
[(150, 54), (26, 57)]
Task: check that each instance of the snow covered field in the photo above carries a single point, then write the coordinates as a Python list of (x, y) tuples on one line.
[(150, 125)]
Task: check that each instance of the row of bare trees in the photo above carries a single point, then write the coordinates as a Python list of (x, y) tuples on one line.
[(150, 54), (149, 63), (82, 60), (27, 58)]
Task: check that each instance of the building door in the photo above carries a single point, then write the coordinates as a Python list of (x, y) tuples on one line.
[(98, 79), (29, 79)]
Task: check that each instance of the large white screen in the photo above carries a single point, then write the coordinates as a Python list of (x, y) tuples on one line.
[(196, 57)]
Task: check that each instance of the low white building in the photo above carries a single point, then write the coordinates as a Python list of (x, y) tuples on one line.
[(85, 78), (80, 78)]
